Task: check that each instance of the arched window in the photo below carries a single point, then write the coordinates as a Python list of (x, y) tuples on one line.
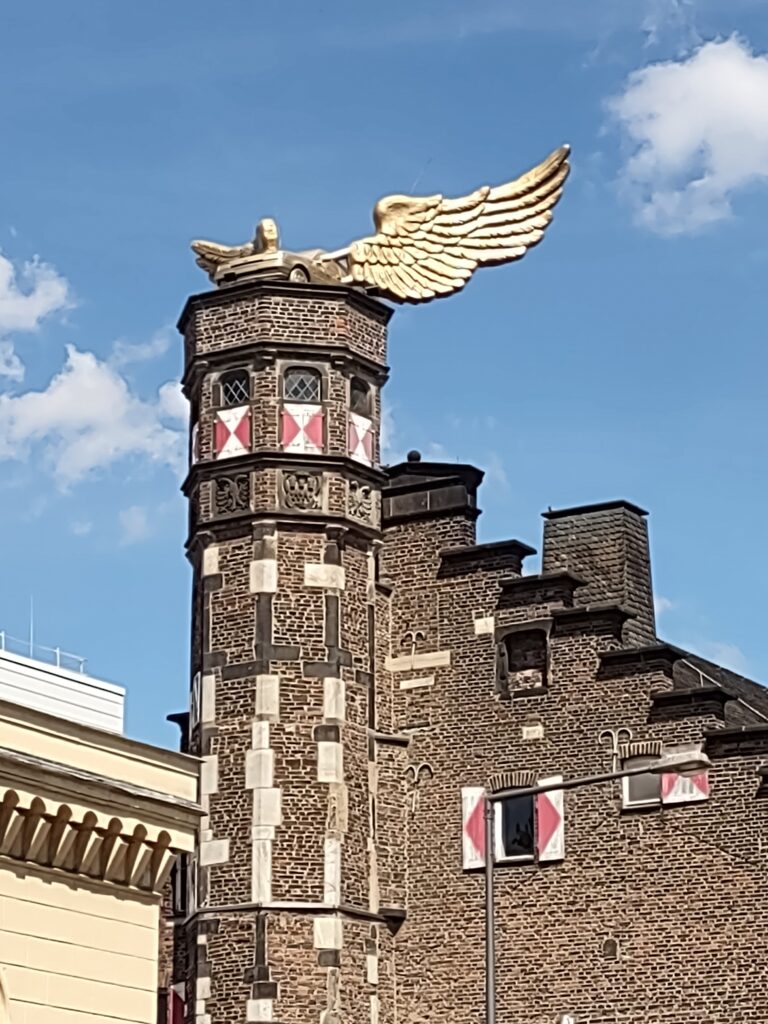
[(359, 397), (301, 384), (235, 387)]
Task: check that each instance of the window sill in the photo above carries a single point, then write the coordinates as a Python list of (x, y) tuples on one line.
[(529, 691), (641, 808)]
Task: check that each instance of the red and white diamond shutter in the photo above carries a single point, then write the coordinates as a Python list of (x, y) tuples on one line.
[(677, 789), (360, 438), (302, 428), (550, 822), (232, 432), (176, 1005), (472, 827)]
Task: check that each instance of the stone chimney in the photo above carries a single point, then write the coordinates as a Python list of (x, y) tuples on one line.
[(606, 545)]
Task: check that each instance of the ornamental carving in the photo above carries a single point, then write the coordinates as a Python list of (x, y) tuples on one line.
[(302, 491), (360, 502), (231, 494)]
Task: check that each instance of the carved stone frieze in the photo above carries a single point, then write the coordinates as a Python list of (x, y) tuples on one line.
[(231, 494), (360, 502), (302, 491)]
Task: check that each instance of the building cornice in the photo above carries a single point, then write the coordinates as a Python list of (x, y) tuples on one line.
[(353, 296), (81, 823)]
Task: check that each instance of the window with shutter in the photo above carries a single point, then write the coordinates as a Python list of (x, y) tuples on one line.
[(680, 789), (514, 828), (526, 828), (473, 827), (640, 790), (550, 822)]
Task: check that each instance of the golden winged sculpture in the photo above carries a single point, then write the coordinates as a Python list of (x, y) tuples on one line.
[(424, 247)]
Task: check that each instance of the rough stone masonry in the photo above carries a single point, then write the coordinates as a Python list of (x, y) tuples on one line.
[(362, 671)]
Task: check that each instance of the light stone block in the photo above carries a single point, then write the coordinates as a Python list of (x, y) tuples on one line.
[(267, 807), (259, 1011), (214, 851), (533, 732), (268, 697), (418, 683), (261, 873), (203, 990), (264, 576), (372, 969), (334, 700), (262, 832), (331, 871), (328, 933), (259, 769), (330, 762), (259, 735), (409, 662), (374, 1010), (211, 560), (318, 574), (208, 698), (485, 625), (209, 775)]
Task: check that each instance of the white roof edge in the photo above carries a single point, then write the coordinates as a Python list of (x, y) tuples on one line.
[(64, 673)]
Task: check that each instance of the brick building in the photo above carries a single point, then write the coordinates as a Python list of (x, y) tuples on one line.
[(362, 670)]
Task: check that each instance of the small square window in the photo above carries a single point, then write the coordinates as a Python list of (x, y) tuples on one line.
[(235, 388), (515, 828), (301, 384), (641, 790), (359, 397)]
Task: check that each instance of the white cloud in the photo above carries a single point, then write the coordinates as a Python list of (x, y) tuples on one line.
[(670, 18), (722, 653), (81, 527), (87, 419), (28, 294), (662, 604), (495, 472), (390, 454), (698, 129), (125, 352), (10, 364), (134, 525), (172, 403)]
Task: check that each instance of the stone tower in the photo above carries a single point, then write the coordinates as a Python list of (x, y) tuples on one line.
[(284, 915)]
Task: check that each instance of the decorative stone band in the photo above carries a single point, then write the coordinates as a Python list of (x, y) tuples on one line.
[(640, 748), (77, 838), (511, 780)]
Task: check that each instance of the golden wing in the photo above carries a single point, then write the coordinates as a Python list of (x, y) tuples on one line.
[(210, 255), (428, 247)]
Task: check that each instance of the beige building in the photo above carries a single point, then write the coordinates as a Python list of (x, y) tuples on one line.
[(90, 825)]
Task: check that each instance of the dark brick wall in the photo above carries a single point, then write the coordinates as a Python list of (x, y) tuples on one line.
[(247, 630), (653, 915), (678, 889), (607, 545)]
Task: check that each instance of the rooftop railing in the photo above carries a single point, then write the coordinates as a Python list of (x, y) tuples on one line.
[(39, 652)]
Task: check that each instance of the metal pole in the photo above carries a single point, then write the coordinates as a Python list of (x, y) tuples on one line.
[(490, 940), (586, 780)]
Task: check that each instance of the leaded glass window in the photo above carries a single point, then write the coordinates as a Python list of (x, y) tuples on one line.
[(235, 387), (301, 384)]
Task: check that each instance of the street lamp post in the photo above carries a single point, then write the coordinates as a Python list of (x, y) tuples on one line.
[(682, 764)]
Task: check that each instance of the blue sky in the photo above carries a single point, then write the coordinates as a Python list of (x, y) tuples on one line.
[(625, 357)]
